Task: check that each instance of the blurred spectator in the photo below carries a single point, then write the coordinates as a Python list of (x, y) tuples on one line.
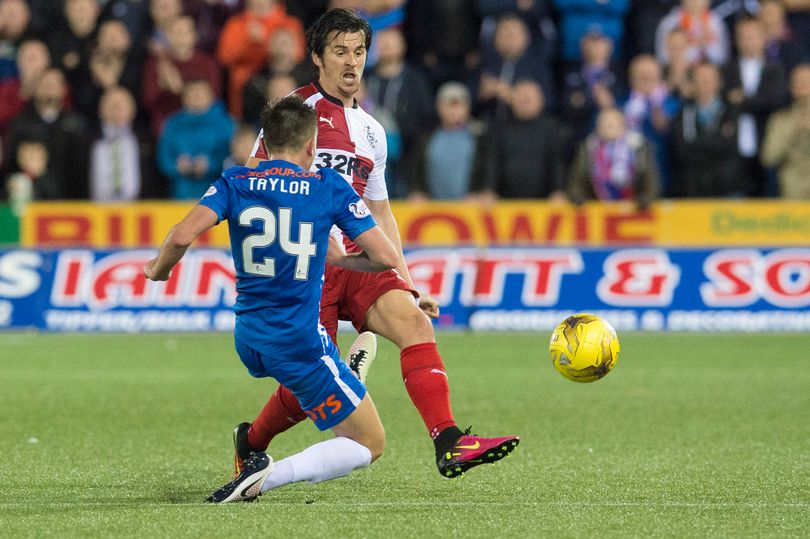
[(452, 158), (112, 63), (162, 14), (677, 70), (33, 59), (512, 58), (756, 88), (579, 17), (45, 16), (195, 142), (442, 35), (63, 133), (210, 17), (649, 109), (243, 44), (241, 146), (116, 158), (705, 139), (14, 20), (787, 139), (33, 180), (276, 87), (71, 45), (381, 15), (404, 92), (283, 62), (614, 164), (537, 14), (799, 17), (307, 12), (591, 86), (781, 45), (706, 33), (729, 11), (166, 73), (134, 16), (523, 158), (643, 19)]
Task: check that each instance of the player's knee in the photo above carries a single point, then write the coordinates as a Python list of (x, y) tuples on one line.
[(417, 328)]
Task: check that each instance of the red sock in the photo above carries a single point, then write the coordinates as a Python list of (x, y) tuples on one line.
[(280, 413), (426, 382)]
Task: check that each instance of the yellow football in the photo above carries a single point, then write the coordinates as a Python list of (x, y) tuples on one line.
[(584, 348)]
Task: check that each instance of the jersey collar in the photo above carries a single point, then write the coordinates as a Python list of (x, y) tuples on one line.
[(264, 165), (333, 99)]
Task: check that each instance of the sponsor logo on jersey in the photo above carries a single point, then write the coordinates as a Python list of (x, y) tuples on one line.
[(359, 209), (211, 191), (372, 140)]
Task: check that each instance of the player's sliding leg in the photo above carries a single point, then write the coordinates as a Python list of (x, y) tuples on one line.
[(248, 484), (395, 316), (282, 410), (359, 441)]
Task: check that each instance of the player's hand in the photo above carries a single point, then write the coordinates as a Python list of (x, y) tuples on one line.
[(149, 272), (429, 305)]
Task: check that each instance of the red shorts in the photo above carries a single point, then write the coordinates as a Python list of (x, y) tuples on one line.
[(348, 295)]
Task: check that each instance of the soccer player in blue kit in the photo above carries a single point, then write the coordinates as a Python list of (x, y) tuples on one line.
[(279, 216)]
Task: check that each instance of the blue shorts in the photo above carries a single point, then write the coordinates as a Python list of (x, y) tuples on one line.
[(325, 387)]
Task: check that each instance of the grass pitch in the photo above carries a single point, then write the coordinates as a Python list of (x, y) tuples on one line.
[(691, 435)]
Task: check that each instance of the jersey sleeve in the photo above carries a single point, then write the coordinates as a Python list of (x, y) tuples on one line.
[(349, 211), (217, 198), (376, 188)]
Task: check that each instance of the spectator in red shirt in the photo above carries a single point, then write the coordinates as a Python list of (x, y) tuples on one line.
[(166, 73), (243, 44), (33, 59)]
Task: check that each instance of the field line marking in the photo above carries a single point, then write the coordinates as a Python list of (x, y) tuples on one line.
[(135, 504)]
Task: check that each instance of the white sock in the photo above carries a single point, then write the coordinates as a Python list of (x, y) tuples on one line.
[(320, 462)]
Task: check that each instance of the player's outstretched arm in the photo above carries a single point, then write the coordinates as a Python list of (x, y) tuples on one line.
[(198, 220), (378, 253), (381, 210)]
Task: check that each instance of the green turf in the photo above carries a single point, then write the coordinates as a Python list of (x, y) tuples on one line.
[(691, 435)]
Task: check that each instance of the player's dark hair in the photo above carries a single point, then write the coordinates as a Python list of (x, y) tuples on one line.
[(288, 124), (337, 21)]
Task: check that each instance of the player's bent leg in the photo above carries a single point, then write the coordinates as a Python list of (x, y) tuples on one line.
[(396, 317), (359, 440), (364, 427), (282, 411)]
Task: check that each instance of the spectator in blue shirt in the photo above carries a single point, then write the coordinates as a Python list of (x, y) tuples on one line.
[(578, 17), (195, 141)]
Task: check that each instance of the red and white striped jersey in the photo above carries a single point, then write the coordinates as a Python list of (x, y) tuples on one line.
[(349, 141)]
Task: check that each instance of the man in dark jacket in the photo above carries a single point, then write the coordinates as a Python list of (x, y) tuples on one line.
[(705, 138), (756, 87), (64, 133), (524, 159)]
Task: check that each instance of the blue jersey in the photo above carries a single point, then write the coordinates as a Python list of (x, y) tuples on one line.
[(279, 216)]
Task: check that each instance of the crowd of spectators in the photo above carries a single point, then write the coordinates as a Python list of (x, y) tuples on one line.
[(116, 100)]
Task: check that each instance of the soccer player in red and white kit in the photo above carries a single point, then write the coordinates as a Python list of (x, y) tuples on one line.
[(353, 143)]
